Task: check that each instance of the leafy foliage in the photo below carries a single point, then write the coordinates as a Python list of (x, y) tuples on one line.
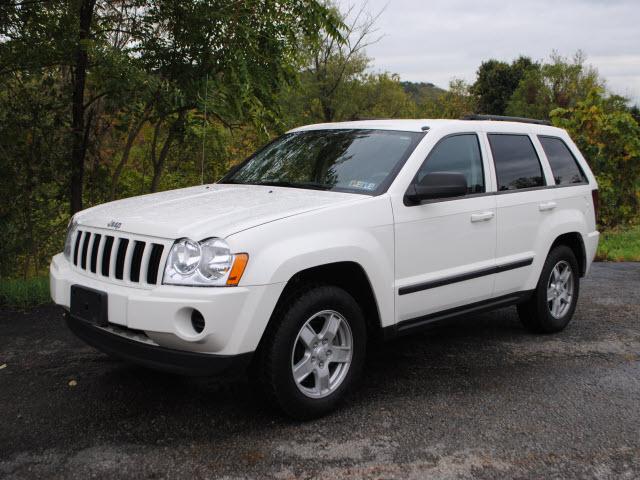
[(496, 81), (609, 137), (558, 84)]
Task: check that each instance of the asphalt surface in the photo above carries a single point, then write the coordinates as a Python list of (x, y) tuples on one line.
[(478, 398)]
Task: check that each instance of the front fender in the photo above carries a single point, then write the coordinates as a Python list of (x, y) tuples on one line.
[(360, 233)]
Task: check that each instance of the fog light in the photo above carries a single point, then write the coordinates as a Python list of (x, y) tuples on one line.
[(197, 321)]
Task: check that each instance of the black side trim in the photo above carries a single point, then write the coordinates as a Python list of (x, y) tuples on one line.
[(465, 276), (419, 323), (158, 358)]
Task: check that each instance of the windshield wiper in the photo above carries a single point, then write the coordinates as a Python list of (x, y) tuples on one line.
[(308, 185)]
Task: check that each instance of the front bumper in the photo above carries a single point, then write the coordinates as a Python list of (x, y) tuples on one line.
[(156, 357), (235, 317)]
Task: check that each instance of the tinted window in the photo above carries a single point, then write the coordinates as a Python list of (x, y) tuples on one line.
[(517, 163), (344, 160), (460, 154), (563, 164)]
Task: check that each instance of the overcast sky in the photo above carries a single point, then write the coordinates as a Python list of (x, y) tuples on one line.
[(437, 40)]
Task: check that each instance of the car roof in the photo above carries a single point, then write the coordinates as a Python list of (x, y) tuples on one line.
[(425, 124)]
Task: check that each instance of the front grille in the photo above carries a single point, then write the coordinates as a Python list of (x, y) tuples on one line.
[(118, 257)]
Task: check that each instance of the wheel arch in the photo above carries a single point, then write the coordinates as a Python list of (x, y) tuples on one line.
[(575, 242), (348, 275)]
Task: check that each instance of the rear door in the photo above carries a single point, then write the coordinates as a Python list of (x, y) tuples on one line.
[(522, 201)]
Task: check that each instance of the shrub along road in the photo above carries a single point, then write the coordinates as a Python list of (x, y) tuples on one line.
[(478, 398)]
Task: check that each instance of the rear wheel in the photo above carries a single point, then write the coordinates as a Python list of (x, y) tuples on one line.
[(313, 353), (553, 303)]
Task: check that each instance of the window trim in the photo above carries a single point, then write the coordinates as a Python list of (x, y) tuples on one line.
[(535, 150), (382, 188), (585, 180), (406, 201)]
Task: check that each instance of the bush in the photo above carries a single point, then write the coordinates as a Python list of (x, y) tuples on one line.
[(21, 293), (620, 245)]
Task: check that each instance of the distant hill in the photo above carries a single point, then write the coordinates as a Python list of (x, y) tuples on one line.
[(420, 91)]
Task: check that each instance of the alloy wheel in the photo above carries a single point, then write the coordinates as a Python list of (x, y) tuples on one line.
[(560, 289), (322, 354)]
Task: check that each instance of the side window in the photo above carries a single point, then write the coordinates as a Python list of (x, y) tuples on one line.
[(564, 165), (460, 154), (516, 160)]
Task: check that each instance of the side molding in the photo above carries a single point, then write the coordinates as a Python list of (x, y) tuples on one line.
[(465, 276)]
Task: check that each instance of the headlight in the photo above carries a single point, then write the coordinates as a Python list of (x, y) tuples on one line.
[(216, 259), (185, 256), (68, 243), (206, 263)]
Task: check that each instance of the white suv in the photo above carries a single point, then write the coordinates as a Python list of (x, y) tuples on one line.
[(329, 237)]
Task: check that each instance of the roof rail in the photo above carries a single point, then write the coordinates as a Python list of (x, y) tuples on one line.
[(502, 118)]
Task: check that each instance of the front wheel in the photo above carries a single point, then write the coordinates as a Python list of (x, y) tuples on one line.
[(553, 303), (313, 353)]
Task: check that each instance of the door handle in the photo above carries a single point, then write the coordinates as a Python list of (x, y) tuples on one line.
[(544, 207), (482, 217)]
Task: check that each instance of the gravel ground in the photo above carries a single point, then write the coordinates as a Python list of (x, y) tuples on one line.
[(478, 398)]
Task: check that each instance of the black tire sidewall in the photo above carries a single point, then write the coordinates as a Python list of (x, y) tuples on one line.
[(547, 321), (320, 298)]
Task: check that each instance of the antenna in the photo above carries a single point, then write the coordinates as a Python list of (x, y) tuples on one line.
[(204, 128)]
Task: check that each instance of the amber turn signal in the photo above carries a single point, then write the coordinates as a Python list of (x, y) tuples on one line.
[(237, 269)]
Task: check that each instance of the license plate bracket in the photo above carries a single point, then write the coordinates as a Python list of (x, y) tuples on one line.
[(89, 305)]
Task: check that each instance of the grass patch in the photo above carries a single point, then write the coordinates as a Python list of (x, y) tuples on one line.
[(24, 293), (621, 245)]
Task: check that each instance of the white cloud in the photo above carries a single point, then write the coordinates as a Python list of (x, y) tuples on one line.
[(437, 40)]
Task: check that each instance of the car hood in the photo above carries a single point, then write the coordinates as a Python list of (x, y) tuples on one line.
[(209, 210)]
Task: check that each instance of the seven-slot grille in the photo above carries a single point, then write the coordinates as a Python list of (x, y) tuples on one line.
[(118, 257)]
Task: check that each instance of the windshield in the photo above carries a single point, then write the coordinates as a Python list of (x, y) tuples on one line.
[(360, 161)]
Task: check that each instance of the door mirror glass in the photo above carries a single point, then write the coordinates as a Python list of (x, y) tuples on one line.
[(438, 185)]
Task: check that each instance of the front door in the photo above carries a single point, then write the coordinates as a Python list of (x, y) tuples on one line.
[(445, 249)]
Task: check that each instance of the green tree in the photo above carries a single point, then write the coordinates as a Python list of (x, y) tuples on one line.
[(496, 81), (377, 95), (246, 48), (456, 102), (561, 83), (334, 66), (609, 137)]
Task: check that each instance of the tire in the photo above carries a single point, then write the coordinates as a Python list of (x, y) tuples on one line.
[(553, 303), (299, 338)]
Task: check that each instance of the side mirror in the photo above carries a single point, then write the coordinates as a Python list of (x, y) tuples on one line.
[(438, 185)]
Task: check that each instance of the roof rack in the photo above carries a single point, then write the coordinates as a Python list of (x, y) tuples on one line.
[(502, 118)]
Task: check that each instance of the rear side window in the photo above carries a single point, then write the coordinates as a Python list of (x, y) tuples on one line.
[(564, 165), (517, 163), (459, 154)]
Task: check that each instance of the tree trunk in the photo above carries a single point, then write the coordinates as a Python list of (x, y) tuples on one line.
[(79, 142), (133, 134), (158, 163), (327, 110)]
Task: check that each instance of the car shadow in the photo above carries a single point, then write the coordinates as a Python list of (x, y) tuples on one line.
[(414, 363)]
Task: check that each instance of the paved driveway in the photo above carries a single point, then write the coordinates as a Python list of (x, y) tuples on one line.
[(479, 398)]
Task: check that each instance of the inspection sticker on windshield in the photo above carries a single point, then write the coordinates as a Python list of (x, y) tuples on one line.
[(362, 185)]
